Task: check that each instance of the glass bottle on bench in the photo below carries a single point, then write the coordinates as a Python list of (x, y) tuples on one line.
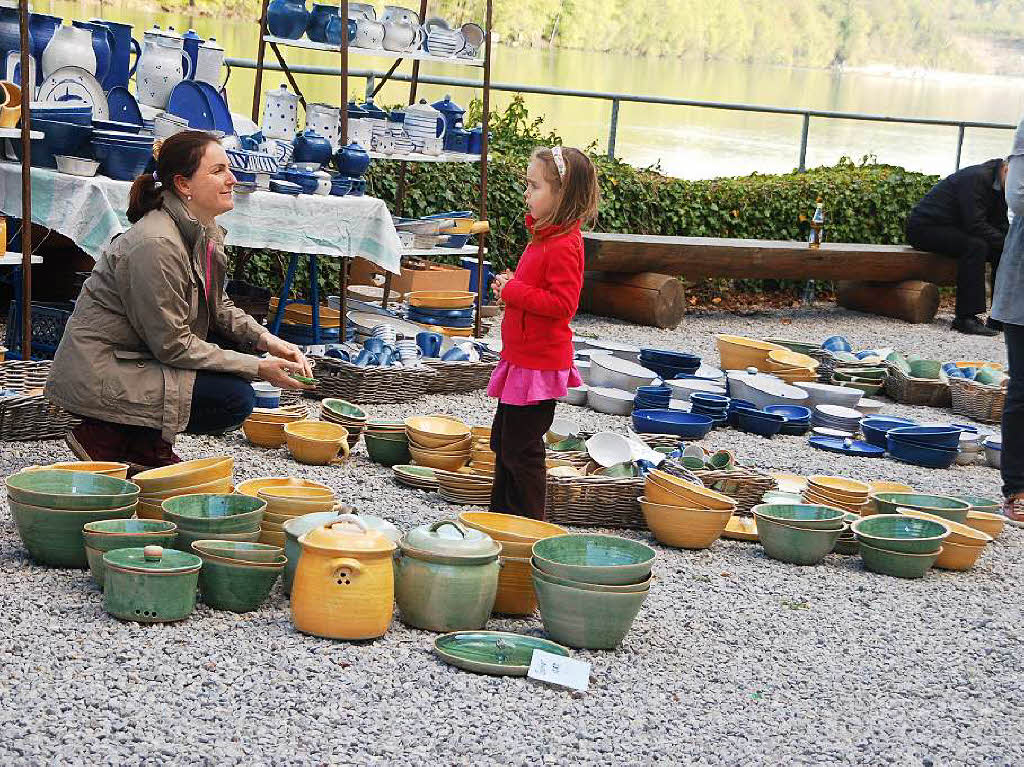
[(817, 233)]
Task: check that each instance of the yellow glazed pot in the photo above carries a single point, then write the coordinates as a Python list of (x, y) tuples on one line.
[(344, 584)]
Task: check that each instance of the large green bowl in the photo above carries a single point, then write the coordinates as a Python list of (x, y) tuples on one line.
[(592, 558), (109, 534), (215, 512), (242, 551), (54, 537), (239, 587), (387, 452), (70, 490), (806, 515), (978, 503), (895, 532), (796, 545), (631, 587), (186, 538), (595, 620), (941, 505), (897, 563)]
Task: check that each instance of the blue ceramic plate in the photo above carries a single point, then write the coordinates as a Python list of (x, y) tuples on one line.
[(221, 114), (855, 448), (190, 103), (122, 106), (444, 313)]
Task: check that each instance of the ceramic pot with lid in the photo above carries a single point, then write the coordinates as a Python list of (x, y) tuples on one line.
[(280, 114), (344, 585), (162, 66), (446, 577), (151, 584), (423, 122), (311, 147), (452, 112), (209, 62), (352, 160)]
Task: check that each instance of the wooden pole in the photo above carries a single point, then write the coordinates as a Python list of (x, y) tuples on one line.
[(343, 86), (26, 185), (261, 53), (484, 146)]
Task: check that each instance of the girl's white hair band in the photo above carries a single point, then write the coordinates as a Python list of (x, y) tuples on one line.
[(556, 153)]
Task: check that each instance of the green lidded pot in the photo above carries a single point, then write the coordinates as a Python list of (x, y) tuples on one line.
[(151, 584), (446, 577), (109, 534)]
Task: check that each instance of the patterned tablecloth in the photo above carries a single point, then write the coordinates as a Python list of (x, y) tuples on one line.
[(90, 211)]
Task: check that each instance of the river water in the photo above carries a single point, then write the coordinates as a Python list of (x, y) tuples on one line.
[(687, 142)]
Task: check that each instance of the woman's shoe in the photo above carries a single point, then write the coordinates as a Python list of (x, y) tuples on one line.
[(94, 440), (150, 450)]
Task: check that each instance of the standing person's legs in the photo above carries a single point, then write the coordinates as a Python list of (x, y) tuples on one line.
[(220, 402), (520, 474), (972, 255), (1012, 460)]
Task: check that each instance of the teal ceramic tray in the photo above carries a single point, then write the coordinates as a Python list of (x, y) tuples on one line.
[(493, 652)]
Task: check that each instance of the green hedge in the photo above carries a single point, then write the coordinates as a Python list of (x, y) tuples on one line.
[(864, 202)]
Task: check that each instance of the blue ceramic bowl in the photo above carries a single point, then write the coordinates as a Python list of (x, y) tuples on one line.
[(836, 344), (284, 187), (341, 185), (59, 138), (62, 111), (709, 399), (444, 313), (456, 241), (122, 163), (795, 428), (672, 359), (244, 176), (455, 354), (759, 422), (927, 436), (875, 428), (668, 372), (933, 458), (113, 125), (685, 425), (734, 411), (304, 180), (792, 413)]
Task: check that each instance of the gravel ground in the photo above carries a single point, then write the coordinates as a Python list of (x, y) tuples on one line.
[(733, 659)]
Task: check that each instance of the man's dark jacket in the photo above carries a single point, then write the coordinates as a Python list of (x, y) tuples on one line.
[(969, 200)]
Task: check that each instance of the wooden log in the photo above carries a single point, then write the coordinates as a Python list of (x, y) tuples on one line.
[(699, 257), (644, 299), (912, 301)]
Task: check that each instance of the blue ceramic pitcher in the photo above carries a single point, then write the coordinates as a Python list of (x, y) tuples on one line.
[(121, 66), (10, 40), (287, 18), (191, 42)]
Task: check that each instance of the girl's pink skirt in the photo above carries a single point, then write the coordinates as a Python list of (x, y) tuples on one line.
[(516, 385)]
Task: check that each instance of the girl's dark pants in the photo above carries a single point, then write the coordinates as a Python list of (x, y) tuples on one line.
[(520, 474)]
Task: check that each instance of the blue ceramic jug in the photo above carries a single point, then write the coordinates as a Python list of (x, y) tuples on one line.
[(287, 18), (316, 29), (121, 65), (352, 160), (191, 42), (311, 147), (334, 30), (102, 45), (453, 114), (10, 40), (42, 26)]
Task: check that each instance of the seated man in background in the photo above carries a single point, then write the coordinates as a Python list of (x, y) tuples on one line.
[(964, 216)]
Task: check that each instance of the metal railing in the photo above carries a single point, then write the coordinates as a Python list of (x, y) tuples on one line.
[(617, 99)]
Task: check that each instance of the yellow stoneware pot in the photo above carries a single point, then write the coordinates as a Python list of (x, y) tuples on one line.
[(185, 474), (344, 584)]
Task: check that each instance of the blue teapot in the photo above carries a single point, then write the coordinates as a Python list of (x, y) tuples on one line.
[(453, 114), (287, 18), (316, 29), (352, 160), (252, 142), (311, 147)]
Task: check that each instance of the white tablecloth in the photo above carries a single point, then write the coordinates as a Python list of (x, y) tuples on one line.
[(90, 211)]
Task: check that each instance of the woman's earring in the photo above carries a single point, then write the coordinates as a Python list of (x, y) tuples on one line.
[(188, 198)]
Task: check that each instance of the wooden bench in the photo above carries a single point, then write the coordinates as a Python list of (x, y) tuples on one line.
[(902, 280)]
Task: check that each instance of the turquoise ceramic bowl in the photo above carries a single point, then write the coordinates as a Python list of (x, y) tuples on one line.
[(941, 505), (53, 536), (796, 545), (897, 563), (806, 515), (238, 587), (345, 409), (592, 558), (493, 652), (631, 587), (186, 538), (109, 534), (387, 452), (595, 620), (70, 490), (895, 532), (978, 503), (214, 512)]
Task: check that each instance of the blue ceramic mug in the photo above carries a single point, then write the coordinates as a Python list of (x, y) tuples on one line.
[(375, 345), (429, 343), (455, 354)]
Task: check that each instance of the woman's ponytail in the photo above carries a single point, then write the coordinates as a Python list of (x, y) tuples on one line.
[(144, 196)]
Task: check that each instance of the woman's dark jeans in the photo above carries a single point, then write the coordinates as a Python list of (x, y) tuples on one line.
[(220, 402), (1013, 414)]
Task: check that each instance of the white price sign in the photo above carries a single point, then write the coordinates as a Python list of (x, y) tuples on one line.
[(560, 670)]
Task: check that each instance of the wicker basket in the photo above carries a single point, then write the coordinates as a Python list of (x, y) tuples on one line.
[(370, 385), (916, 391), (30, 416), (745, 484), (595, 501), (827, 363), (976, 400), (456, 377)]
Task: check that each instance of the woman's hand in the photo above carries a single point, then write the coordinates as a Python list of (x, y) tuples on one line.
[(499, 284), (276, 371), (276, 347)]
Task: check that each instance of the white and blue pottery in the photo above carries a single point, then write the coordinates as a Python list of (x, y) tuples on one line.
[(222, 120), (102, 45), (188, 101), (122, 106), (121, 66), (453, 114), (311, 147), (41, 28), (280, 113), (287, 18), (190, 44), (284, 187), (352, 160)]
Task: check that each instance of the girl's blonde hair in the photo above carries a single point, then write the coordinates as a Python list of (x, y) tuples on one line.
[(574, 180)]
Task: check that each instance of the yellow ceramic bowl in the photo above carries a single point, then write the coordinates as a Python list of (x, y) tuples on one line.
[(272, 537), (986, 522), (441, 299), (438, 426), (839, 486), (318, 452), (435, 460), (790, 359), (889, 487), (739, 353), (10, 112), (510, 527), (456, 446), (957, 556), (273, 416), (962, 535), (184, 474), (316, 431), (263, 434), (216, 486), (146, 510), (481, 432), (253, 486), (294, 493), (697, 495), (109, 468), (684, 528)]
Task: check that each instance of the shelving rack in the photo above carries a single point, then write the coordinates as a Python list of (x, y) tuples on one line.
[(26, 186), (276, 44)]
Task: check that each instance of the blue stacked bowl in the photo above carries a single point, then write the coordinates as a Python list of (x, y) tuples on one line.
[(760, 422), (715, 406), (875, 428), (669, 364), (735, 406), (122, 156), (58, 138), (798, 418), (919, 455), (446, 318), (73, 111), (941, 437), (676, 422), (652, 397)]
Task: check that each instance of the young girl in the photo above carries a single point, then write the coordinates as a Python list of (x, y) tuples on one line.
[(536, 359)]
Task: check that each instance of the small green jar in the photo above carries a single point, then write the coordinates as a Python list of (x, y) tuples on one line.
[(151, 584)]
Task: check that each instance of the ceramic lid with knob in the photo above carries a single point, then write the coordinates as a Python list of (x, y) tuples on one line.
[(153, 559), (423, 108), (212, 44), (451, 538), (346, 534)]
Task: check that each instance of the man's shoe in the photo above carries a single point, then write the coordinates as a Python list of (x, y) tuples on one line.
[(994, 325), (1013, 510), (972, 326), (95, 440)]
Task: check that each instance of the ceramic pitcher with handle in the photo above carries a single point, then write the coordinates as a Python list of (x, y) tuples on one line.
[(163, 65), (209, 63), (121, 65), (69, 46), (403, 36), (102, 45)]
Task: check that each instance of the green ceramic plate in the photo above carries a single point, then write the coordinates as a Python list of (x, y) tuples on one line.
[(303, 379), (493, 652)]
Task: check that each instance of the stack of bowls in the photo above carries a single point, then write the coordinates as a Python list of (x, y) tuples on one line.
[(985, 515), (265, 428), (439, 442), (516, 595), (222, 516), (286, 498), (740, 353), (481, 457), (203, 475), (876, 428), (826, 394), (59, 138), (109, 534), (846, 494), (419, 477), (237, 576), (652, 397), (935, 447), (668, 364), (792, 366), (943, 506), (994, 452), (970, 450), (683, 388), (714, 406), (800, 534), (961, 550), (898, 545), (867, 380), (684, 514), (345, 414), (447, 310), (464, 489), (50, 507), (688, 426), (590, 587), (837, 417), (122, 156), (797, 418), (735, 407), (386, 442), (317, 443)]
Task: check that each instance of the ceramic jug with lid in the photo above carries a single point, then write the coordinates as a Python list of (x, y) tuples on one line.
[(423, 122), (310, 147), (163, 65), (121, 66), (209, 63), (280, 114), (324, 120), (42, 26), (190, 44), (453, 113), (344, 585), (69, 46)]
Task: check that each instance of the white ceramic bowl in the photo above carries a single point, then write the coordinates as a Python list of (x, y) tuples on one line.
[(609, 400), (617, 373), (994, 452), (618, 349), (870, 406), (826, 394), (608, 448), (76, 166), (576, 395), (563, 428)]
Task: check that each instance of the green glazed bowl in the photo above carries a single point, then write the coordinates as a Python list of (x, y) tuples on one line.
[(387, 452), (215, 513), (941, 505), (186, 538), (925, 369), (345, 409), (895, 532), (54, 537), (592, 558), (796, 545), (110, 534), (242, 551), (644, 585), (70, 490), (805, 515), (978, 503), (239, 587), (493, 652), (595, 620), (897, 563)]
